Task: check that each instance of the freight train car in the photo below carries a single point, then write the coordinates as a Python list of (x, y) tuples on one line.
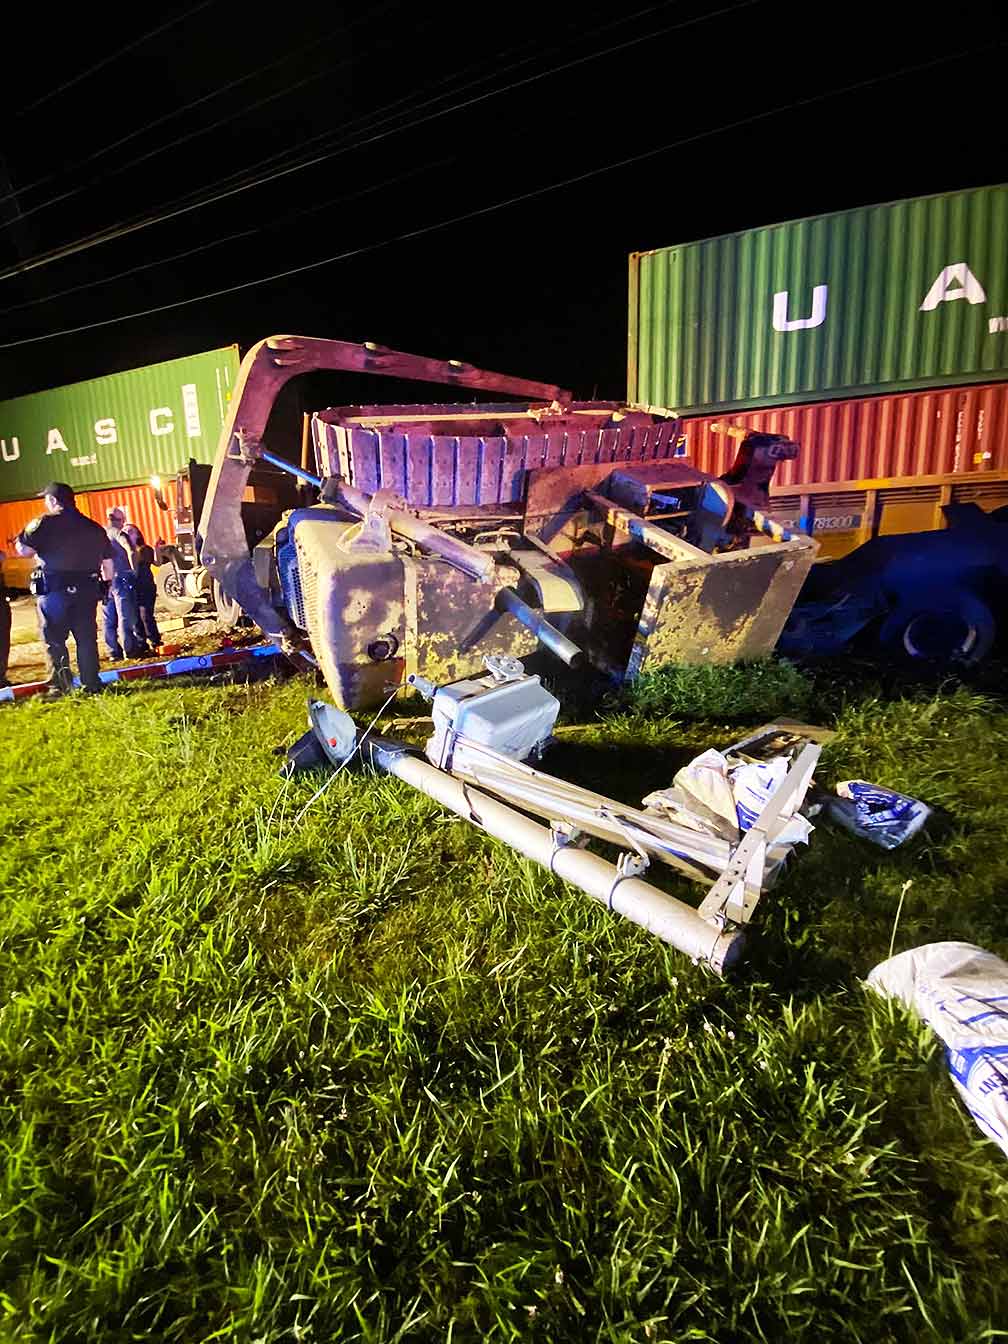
[(108, 438), (875, 338)]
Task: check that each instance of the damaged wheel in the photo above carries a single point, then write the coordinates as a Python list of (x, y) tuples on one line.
[(943, 626), (171, 590)]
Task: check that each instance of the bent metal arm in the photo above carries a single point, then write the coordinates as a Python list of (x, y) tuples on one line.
[(264, 371)]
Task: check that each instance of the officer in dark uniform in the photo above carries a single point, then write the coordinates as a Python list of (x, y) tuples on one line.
[(120, 609), (75, 555)]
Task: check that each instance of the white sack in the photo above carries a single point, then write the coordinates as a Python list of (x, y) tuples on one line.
[(960, 991)]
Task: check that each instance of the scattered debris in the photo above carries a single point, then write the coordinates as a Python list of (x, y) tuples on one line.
[(175, 667), (713, 796), (875, 813), (724, 820), (783, 737), (961, 992)]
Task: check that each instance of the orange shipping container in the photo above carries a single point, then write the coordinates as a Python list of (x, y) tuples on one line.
[(13, 516), (137, 501), (958, 429)]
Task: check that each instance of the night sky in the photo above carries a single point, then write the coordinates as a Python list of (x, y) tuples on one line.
[(431, 112)]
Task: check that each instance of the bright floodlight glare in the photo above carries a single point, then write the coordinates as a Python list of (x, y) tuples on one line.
[(155, 482)]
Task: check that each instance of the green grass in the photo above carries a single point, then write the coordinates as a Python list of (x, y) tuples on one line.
[(372, 1077), (740, 692)]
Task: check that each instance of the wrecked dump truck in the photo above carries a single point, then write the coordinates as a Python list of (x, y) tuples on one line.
[(449, 541), (446, 533)]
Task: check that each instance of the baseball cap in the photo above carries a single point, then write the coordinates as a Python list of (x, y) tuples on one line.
[(60, 491)]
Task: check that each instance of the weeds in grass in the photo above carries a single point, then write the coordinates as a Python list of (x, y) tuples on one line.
[(378, 1078), (742, 692)]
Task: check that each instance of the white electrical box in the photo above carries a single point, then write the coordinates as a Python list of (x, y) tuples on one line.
[(512, 715)]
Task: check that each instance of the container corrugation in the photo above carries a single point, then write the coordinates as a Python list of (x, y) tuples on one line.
[(123, 428), (957, 429), (891, 297), (138, 504), (136, 501), (13, 516)]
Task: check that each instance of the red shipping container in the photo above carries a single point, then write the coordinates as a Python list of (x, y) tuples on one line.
[(954, 430)]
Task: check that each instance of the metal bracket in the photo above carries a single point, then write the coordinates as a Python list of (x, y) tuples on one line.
[(503, 668), (555, 582), (566, 833), (565, 836), (632, 864), (244, 447), (735, 895), (374, 533)]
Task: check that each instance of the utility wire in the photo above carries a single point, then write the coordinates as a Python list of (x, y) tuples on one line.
[(188, 107), (107, 60), (110, 235), (229, 238), (379, 117), (382, 115), (737, 124), (406, 106), (252, 74), (224, 88), (149, 154)]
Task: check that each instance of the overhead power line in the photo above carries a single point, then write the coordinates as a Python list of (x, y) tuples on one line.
[(135, 162), (121, 231), (228, 238), (494, 206), (342, 135), (408, 106), (114, 56), (215, 92)]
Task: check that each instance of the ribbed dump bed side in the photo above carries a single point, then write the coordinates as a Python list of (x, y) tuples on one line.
[(451, 456)]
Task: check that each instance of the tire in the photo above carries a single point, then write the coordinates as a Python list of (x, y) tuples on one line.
[(942, 627), (229, 613), (171, 595)]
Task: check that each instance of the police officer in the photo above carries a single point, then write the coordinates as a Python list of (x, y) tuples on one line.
[(74, 556), (120, 610)]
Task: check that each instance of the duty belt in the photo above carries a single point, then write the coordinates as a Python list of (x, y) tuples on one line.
[(68, 580)]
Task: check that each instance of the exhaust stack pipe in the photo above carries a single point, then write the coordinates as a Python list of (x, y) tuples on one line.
[(534, 621)]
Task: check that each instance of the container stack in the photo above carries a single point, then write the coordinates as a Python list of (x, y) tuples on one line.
[(876, 337), (108, 437)]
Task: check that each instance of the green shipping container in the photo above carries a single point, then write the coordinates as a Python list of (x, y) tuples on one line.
[(887, 298), (117, 430)]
